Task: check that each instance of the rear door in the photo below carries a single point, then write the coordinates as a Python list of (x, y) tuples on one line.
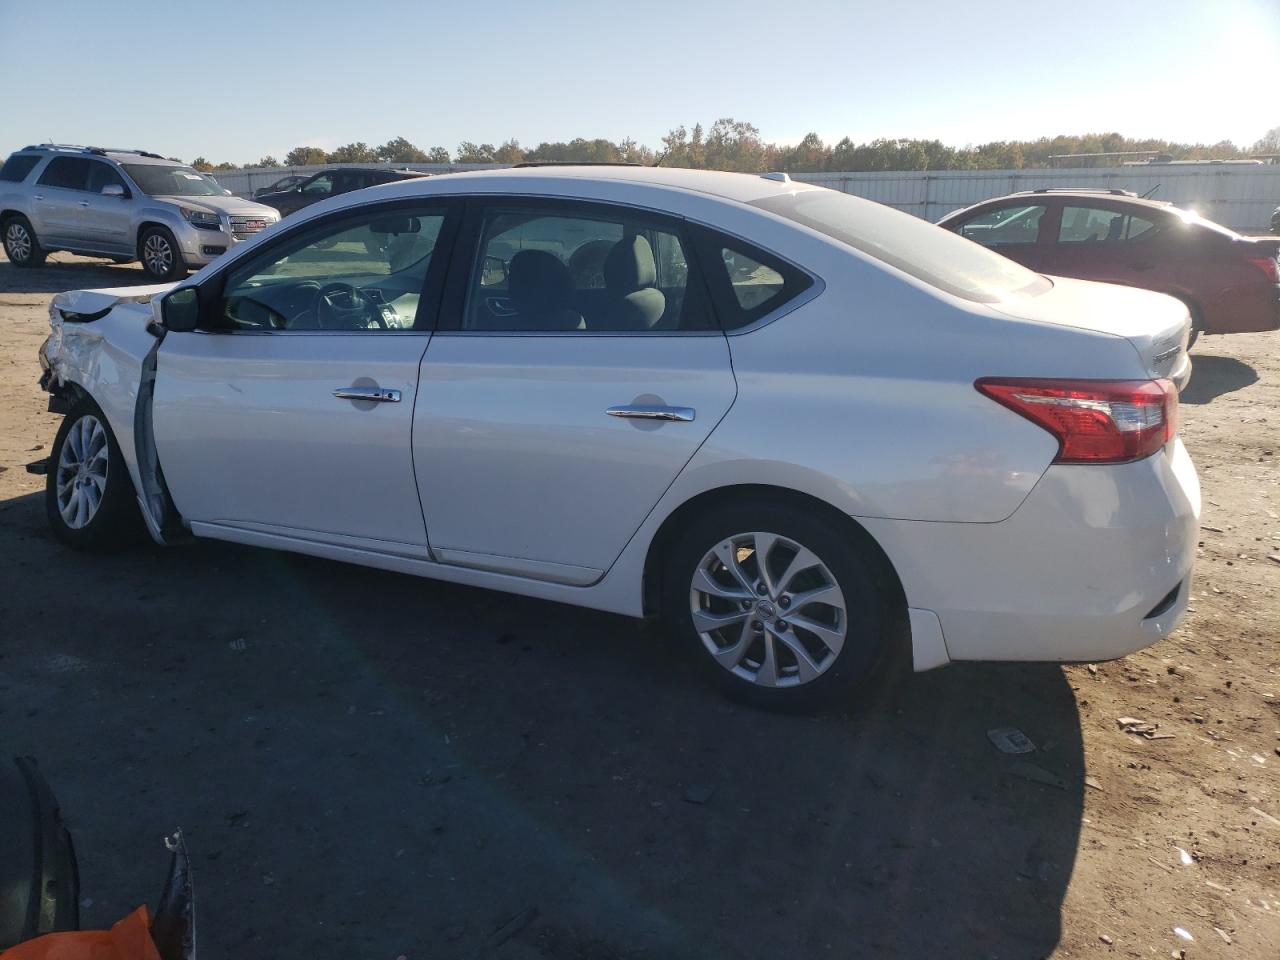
[(566, 388), (1112, 243), (57, 199)]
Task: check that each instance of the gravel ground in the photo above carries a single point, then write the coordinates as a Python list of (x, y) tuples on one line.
[(378, 766)]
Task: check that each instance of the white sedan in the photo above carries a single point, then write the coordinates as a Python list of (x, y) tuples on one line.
[(787, 421)]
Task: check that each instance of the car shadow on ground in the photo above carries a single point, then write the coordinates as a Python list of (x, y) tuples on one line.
[(1212, 376), (55, 277), (373, 764)]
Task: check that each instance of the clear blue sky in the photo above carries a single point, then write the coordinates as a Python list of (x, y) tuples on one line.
[(235, 80)]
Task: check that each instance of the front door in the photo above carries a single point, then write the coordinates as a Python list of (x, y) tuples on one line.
[(291, 412), (105, 221), (576, 371), (1012, 228)]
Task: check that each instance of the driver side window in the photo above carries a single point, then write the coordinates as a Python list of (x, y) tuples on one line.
[(362, 273)]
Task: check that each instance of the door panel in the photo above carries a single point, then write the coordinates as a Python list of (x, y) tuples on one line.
[(104, 222), (521, 469), (249, 433)]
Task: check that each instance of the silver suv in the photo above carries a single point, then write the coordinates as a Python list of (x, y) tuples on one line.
[(123, 204)]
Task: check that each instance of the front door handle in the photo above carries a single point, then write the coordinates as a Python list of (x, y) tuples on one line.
[(376, 394), (645, 411)]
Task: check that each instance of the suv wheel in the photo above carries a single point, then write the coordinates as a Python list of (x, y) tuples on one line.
[(779, 609), (160, 256), (20, 243), (89, 496)]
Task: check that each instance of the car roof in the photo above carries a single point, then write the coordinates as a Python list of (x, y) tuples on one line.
[(742, 187), (1116, 196)]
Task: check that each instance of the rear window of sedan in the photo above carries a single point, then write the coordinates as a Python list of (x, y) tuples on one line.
[(936, 256)]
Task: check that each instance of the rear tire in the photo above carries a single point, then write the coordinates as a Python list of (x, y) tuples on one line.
[(20, 243), (804, 632), (89, 496), (160, 256)]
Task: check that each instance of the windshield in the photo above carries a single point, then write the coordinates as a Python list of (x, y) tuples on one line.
[(916, 247), (157, 180)]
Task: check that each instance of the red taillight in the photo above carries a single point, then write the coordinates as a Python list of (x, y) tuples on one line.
[(1269, 266), (1095, 421)]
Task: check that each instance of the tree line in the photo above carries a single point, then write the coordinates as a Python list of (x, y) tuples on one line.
[(730, 144)]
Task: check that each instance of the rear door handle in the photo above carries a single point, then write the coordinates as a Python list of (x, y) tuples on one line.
[(644, 411), (376, 394)]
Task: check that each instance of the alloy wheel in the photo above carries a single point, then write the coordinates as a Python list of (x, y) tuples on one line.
[(768, 609), (157, 254), (17, 242), (82, 472)]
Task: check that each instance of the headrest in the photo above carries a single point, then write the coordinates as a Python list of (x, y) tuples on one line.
[(630, 265), (538, 280)]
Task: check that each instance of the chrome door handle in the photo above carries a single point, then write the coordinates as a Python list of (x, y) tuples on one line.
[(37, 196), (84, 203), (376, 394), (644, 411)]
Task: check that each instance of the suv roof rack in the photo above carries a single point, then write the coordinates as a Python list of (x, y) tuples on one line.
[(576, 163), (1113, 191), (80, 148)]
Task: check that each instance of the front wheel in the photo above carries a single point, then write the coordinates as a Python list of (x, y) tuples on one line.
[(160, 256), (779, 609), (89, 497), (20, 243)]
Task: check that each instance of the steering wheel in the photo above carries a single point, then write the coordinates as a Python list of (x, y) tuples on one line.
[(340, 306)]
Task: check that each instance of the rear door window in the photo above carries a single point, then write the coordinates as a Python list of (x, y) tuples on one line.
[(563, 266), (321, 185), (1101, 225), (69, 173), (17, 167)]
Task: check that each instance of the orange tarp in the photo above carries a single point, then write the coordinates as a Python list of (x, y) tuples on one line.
[(130, 939)]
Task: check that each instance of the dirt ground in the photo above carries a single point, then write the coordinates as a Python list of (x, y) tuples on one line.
[(371, 765)]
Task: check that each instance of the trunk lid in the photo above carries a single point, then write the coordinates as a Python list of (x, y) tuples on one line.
[(1157, 326)]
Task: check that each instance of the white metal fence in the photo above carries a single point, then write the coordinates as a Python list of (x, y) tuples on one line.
[(1240, 196)]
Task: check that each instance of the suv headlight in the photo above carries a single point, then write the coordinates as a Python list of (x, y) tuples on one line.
[(202, 218)]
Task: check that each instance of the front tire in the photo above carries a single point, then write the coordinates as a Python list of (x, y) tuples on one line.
[(20, 243), (780, 609), (89, 496), (160, 256)]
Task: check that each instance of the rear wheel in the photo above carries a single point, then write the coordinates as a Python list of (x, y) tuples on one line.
[(161, 258), (89, 497), (779, 609), (20, 243)]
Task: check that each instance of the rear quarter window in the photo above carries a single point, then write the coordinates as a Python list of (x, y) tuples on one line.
[(938, 257), (17, 167), (746, 282)]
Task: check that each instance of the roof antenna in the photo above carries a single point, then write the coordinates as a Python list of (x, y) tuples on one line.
[(1148, 194), (662, 156)]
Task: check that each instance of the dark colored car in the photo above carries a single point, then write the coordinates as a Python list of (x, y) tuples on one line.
[(281, 185), (329, 183), (1230, 283)]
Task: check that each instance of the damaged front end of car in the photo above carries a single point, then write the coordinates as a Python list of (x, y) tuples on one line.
[(102, 346)]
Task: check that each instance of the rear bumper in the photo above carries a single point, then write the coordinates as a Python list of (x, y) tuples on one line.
[(1254, 308), (1095, 564)]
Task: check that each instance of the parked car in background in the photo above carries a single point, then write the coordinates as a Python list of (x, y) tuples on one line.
[(1230, 283), (854, 425), (123, 204), (329, 183), (281, 185), (1275, 221)]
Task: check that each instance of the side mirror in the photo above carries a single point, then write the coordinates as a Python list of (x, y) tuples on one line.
[(180, 310), (113, 190), (493, 272)]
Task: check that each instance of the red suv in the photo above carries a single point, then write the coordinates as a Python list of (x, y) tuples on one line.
[(1231, 283)]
